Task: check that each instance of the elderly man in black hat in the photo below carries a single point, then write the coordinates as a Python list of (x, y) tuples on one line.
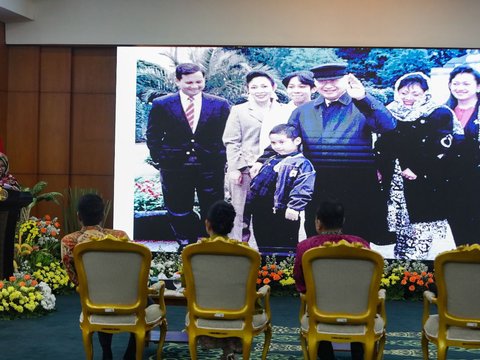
[(337, 130)]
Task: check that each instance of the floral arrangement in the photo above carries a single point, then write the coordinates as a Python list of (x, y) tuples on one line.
[(55, 276), (278, 275), (40, 233), (148, 194), (405, 279), (165, 264), (37, 252), (24, 294)]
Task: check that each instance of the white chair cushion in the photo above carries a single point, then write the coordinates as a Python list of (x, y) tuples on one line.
[(259, 320), (153, 314), (349, 329), (453, 332)]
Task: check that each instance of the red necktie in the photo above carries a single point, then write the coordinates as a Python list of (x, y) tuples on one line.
[(190, 113)]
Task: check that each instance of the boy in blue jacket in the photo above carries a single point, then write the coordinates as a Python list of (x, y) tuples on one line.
[(280, 191)]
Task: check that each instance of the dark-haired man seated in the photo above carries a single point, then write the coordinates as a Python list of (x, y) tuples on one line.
[(90, 212), (328, 223)]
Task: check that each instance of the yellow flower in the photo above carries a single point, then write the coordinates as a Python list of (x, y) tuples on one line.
[(288, 281), (30, 306)]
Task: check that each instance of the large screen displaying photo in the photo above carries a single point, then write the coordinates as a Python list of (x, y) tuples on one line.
[(390, 133)]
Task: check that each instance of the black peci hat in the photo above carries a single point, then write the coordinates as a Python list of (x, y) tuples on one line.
[(329, 71)]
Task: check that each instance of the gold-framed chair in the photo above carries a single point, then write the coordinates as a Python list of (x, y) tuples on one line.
[(113, 287), (220, 287), (343, 302), (457, 321)]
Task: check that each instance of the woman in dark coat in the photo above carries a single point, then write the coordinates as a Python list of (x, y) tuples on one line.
[(417, 150), (464, 194)]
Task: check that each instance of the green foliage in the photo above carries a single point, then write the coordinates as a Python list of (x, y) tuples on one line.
[(142, 110), (270, 56), (148, 193), (69, 208), (153, 81), (440, 57), (38, 196), (403, 61), (383, 66), (307, 58), (384, 95)]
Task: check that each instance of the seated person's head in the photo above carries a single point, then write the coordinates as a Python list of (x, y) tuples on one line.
[(285, 139), (330, 216), (90, 209), (220, 218)]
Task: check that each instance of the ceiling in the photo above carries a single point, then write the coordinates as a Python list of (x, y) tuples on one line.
[(17, 10)]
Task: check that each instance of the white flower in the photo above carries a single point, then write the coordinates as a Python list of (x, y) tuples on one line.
[(48, 301)]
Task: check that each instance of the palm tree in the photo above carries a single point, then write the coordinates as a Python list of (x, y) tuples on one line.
[(225, 72), (37, 196)]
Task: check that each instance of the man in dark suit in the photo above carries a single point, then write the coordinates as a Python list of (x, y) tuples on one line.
[(184, 135), (336, 129)]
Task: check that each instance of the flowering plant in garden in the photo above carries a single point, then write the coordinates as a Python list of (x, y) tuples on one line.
[(21, 294), (148, 194), (165, 264), (406, 279)]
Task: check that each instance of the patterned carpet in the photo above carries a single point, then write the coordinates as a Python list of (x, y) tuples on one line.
[(57, 335), (285, 346)]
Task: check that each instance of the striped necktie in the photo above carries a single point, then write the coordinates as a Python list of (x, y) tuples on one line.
[(190, 112)]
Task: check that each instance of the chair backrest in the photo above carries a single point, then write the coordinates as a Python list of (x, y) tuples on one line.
[(220, 277), (113, 275), (342, 282), (457, 275)]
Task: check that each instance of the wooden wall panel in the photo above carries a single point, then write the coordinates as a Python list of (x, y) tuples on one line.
[(93, 134), (94, 70), (56, 69), (3, 84), (23, 68), (60, 117), (3, 116), (58, 183), (104, 185), (54, 133), (2, 33), (3, 67), (22, 131), (25, 180)]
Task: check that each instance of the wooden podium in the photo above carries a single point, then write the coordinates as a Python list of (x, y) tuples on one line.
[(10, 204)]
